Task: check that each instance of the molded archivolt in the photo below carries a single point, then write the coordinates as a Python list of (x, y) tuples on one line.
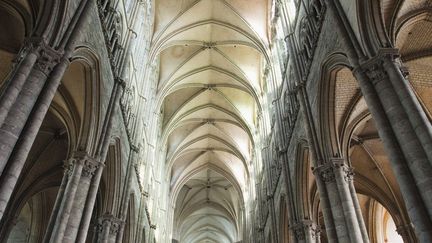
[(78, 97), (211, 56)]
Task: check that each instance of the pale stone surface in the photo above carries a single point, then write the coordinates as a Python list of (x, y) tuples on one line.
[(215, 121)]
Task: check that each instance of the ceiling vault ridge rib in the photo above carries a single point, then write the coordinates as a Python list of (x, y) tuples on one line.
[(211, 204), (179, 151), (191, 42), (231, 61), (166, 81), (202, 85), (226, 174), (208, 225), (204, 239), (209, 56), (245, 126), (196, 95), (181, 143), (177, 17), (179, 109), (191, 6), (213, 150), (170, 85), (206, 68), (201, 227), (203, 122), (205, 106), (158, 45), (202, 230), (229, 136), (232, 104), (379, 167), (242, 18), (201, 154), (195, 54)]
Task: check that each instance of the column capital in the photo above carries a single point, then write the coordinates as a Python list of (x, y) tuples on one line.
[(48, 57), (404, 230), (113, 223), (303, 227), (374, 68), (327, 172), (89, 164)]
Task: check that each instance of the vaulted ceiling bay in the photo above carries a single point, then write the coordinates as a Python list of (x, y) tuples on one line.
[(211, 56)]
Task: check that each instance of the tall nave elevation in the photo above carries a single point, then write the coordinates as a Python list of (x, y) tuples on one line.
[(216, 121)]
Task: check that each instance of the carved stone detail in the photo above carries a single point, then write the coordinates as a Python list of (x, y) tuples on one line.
[(304, 227), (299, 232), (374, 68), (89, 164), (110, 222), (47, 60), (326, 174), (48, 57), (375, 72), (348, 173), (209, 45), (328, 171), (90, 167), (68, 166), (404, 230), (115, 227)]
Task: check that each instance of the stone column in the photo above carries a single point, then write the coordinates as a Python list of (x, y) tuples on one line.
[(381, 72), (337, 176), (132, 163), (102, 151), (57, 205), (20, 114), (18, 157), (317, 160), (104, 230), (306, 231), (17, 102), (406, 152), (108, 228), (80, 168), (417, 117), (79, 201), (29, 54)]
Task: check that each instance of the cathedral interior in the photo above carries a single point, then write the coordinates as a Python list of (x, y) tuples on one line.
[(216, 121)]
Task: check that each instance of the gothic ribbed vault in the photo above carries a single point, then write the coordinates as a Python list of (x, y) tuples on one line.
[(211, 55)]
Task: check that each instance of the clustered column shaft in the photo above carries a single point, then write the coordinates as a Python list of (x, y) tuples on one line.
[(337, 177), (27, 97), (405, 132), (343, 219), (108, 228)]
